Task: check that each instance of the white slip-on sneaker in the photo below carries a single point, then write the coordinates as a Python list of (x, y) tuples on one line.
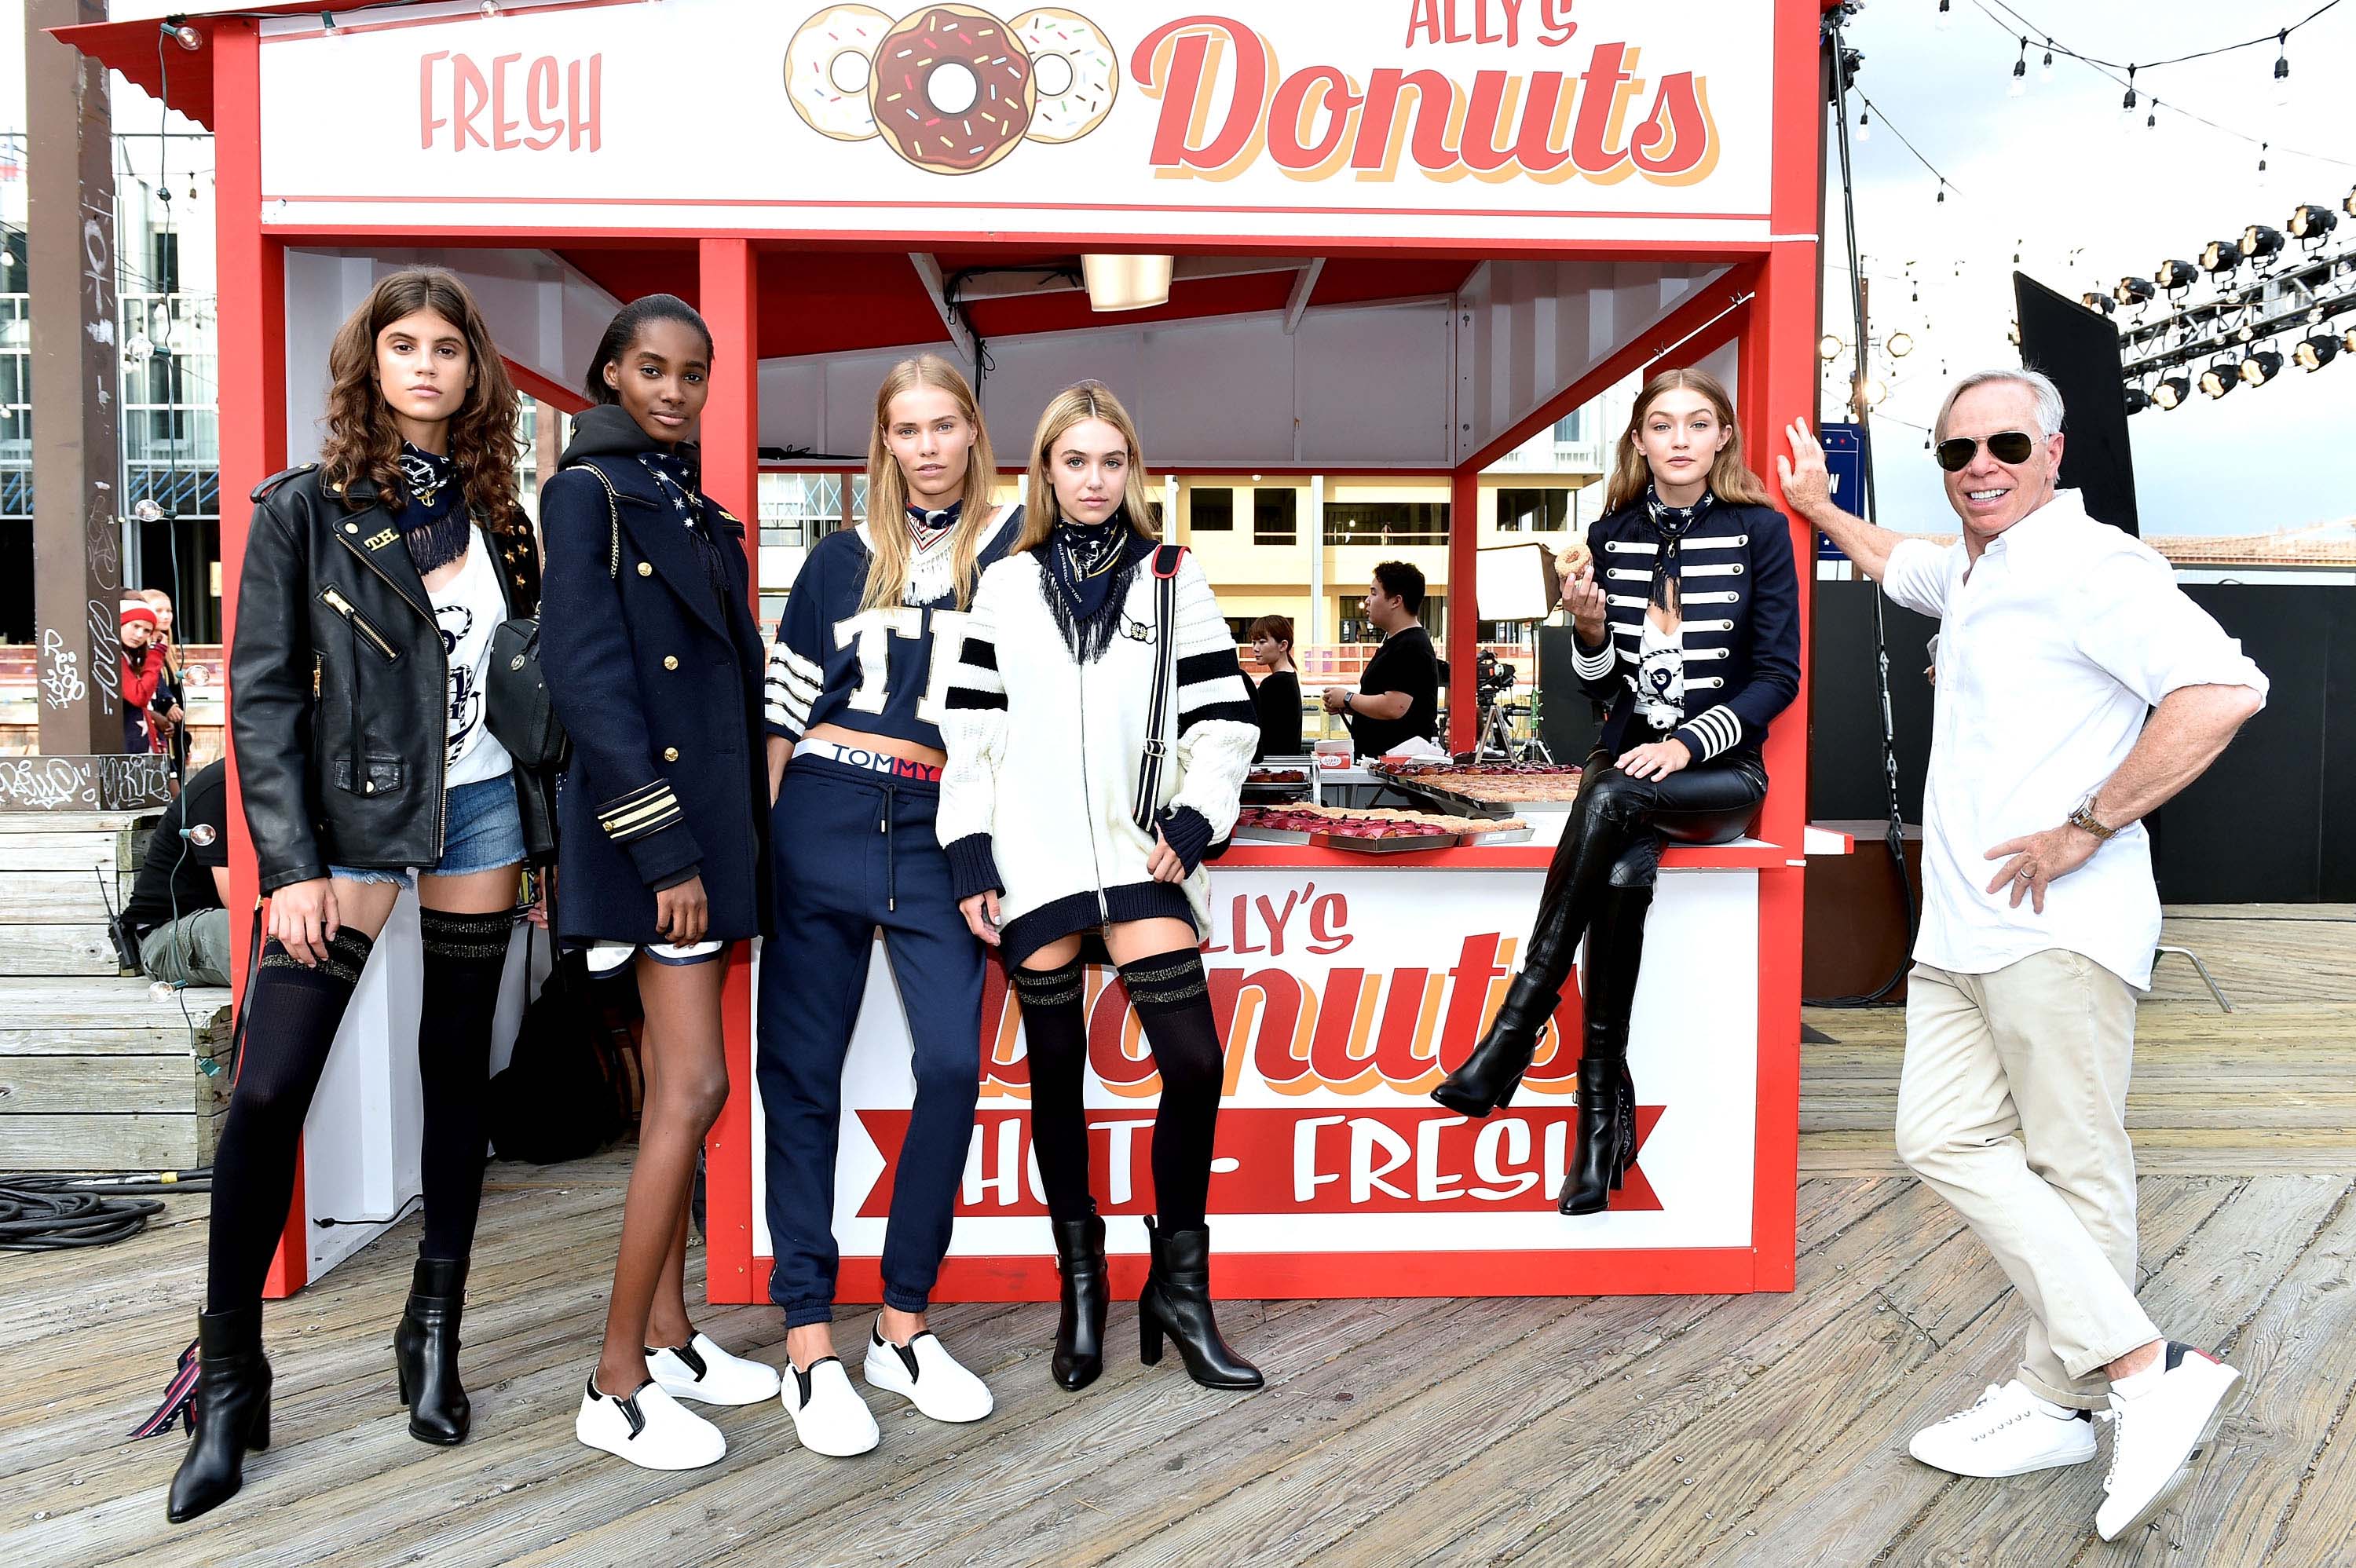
[(923, 1372), (700, 1370), (829, 1415), (2163, 1418), (648, 1428), (2010, 1431)]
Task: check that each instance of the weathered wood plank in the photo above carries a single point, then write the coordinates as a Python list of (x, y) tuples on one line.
[(41, 898), (52, 1085), (133, 1141), (47, 1004), (57, 950), (83, 852)]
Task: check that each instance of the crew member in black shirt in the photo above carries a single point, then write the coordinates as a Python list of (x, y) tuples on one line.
[(1398, 697), (1276, 696), (178, 908)]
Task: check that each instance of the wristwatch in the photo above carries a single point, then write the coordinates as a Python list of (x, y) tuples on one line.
[(2082, 819)]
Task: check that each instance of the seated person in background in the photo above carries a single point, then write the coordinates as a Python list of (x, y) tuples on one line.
[(1398, 697), (178, 908), (143, 663), (1276, 695)]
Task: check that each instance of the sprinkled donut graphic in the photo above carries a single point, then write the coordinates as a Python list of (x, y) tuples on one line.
[(1072, 62), (952, 91), (828, 66)]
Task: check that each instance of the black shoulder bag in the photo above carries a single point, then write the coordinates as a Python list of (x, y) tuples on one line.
[(516, 707)]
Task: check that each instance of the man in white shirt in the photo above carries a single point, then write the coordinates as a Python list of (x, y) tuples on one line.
[(2077, 689)]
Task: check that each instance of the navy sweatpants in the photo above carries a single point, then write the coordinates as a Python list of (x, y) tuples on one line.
[(856, 851)]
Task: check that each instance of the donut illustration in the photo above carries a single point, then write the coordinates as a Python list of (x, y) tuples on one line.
[(829, 64), (952, 90), (1073, 63)]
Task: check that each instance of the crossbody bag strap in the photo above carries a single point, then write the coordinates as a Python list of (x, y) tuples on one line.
[(1165, 674), (612, 515)]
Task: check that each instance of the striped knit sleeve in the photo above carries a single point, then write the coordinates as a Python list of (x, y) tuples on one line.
[(973, 733), (1218, 728), (1596, 669), (797, 659)]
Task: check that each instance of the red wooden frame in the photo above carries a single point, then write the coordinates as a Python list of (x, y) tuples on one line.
[(1777, 334)]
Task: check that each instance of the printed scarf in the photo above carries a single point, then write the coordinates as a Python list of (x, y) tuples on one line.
[(433, 523)]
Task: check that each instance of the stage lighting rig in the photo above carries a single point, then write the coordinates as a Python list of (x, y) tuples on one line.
[(2314, 352), (2174, 277), (2171, 393), (2259, 241)]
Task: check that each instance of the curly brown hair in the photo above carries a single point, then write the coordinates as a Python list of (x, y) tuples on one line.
[(363, 441)]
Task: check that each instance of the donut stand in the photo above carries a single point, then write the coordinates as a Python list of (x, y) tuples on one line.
[(1406, 235)]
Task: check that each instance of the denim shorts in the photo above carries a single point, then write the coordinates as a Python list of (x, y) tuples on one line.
[(482, 830)]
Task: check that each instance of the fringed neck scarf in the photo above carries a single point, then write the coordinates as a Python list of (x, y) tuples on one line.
[(1661, 650), (433, 514), (1086, 576)]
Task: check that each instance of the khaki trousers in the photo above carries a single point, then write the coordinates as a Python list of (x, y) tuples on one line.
[(2012, 1106)]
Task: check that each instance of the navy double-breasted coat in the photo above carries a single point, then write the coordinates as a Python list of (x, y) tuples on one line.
[(655, 671)]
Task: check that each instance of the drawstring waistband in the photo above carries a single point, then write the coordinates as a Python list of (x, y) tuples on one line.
[(883, 820)]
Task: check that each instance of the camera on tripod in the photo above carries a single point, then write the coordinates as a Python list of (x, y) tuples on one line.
[(1491, 678)]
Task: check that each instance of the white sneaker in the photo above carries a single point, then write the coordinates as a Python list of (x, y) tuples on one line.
[(648, 1428), (2009, 1432), (700, 1370), (2163, 1418), (924, 1373), (829, 1415)]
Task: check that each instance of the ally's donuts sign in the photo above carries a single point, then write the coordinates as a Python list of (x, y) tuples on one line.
[(1386, 119)]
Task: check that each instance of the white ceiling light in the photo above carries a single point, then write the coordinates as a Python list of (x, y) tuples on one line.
[(1127, 282)]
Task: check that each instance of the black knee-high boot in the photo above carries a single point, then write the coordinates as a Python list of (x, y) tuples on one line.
[(293, 1010), (465, 957), (1054, 1029), (1607, 1097), (1609, 813), (1172, 998)]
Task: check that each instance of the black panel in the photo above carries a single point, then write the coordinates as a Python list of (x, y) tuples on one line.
[(1845, 777), (1568, 720), (2080, 350)]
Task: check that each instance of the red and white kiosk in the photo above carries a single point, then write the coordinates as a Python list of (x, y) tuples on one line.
[(1410, 234)]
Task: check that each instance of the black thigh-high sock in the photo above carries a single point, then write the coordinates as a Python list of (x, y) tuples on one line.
[(293, 1011), (1055, 1036), (1172, 998), (466, 956)]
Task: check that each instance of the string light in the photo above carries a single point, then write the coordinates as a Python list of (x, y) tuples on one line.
[(2020, 71), (1946, 16), (1864, 126), (2045, 72), (2128, 104), (2282, 67)]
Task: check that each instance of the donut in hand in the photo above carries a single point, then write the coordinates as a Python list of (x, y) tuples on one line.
[(1572, 557)]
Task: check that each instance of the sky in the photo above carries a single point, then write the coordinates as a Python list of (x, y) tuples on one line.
[(2054, 178), (2055, 175)]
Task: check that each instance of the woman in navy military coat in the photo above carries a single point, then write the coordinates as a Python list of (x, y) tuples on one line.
[(654, 664)]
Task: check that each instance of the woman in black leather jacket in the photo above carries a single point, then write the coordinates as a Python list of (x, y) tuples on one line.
[(372, 582)]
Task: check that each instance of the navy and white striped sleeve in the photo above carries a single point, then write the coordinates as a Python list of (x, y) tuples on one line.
[(973, 733), (797, 659), (1218, 728)]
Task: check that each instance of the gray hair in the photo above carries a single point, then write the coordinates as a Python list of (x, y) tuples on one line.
[(2048, 397)]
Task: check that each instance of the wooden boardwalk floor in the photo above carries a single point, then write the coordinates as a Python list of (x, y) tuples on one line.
[(1763, 1430)]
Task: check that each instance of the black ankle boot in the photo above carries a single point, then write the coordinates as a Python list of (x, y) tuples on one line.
[(1080, 1331), (1493, 1071), (1602, 1157), (1177, 1302), (425, 1352), (231, 1412)]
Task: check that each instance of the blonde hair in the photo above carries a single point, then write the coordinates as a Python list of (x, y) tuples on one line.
[(1730, 478), (1082, 401), (887, 487)]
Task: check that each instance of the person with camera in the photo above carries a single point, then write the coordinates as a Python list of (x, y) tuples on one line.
[(1397, 697), (176, 918)]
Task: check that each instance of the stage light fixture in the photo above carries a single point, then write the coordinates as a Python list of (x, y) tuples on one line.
[(2171, 391), (2138, 400), (2309, 223), (2261, 366), (1900, 344), (2314, 352), (2101, 304), (2173, 275), (2259, 241), (1829, 346), (2220, 379), (2348, 202), (2133, 292), (2220, 255), (1116, 283), (2348, 340)]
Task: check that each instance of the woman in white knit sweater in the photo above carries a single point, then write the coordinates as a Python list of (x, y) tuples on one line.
[(1099, 732)]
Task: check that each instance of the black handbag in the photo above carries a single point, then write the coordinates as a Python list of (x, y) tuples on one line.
[(569, 1090), (516, 707)]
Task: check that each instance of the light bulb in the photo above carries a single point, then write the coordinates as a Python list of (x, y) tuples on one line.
[(1946, 16), (1864, 127), (2282, 77), (2045, 73), (2019, 80)]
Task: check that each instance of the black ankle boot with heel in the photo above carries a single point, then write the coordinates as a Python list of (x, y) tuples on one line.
[(1080, 1331), (1493, 1071), (230, 1415), (1177, 1303), (425, 1352), (1606, 1139)]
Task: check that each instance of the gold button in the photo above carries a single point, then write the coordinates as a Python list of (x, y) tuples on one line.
[(671, 661), (646, 568), (351, 528), (670, 753)]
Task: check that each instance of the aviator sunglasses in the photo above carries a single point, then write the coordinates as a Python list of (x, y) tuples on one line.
[(1956, 452)]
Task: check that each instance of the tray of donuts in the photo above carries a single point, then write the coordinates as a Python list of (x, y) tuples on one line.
[(952, 89)]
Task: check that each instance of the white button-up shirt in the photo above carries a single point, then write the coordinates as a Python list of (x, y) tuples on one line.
[(2051, 650)]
